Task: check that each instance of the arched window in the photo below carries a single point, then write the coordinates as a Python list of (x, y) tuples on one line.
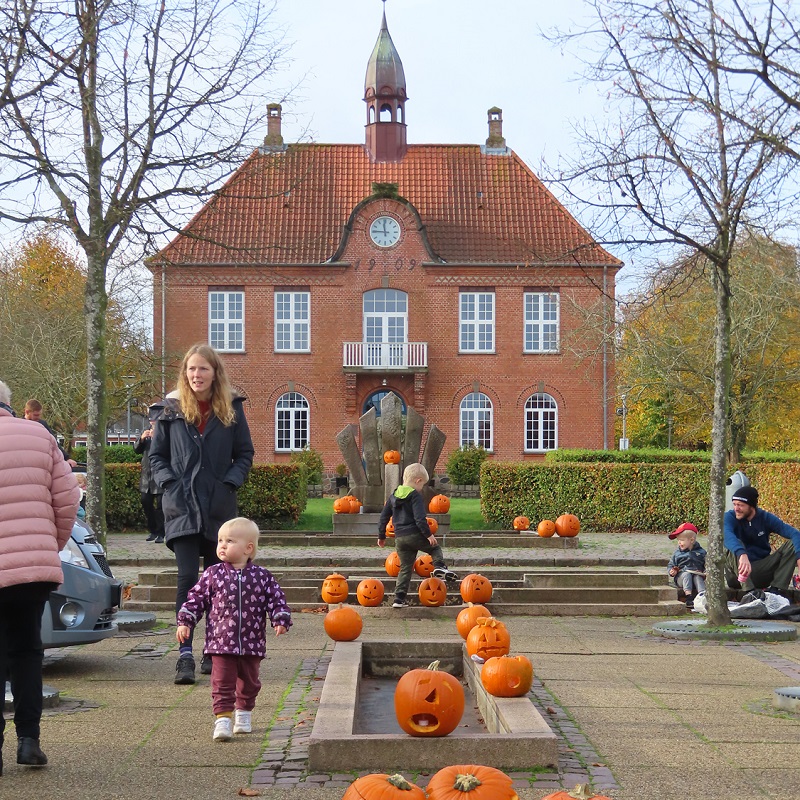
[(541, 423), (374, 401), (291, 422), (476, 421), (371, 117), (385, 113)]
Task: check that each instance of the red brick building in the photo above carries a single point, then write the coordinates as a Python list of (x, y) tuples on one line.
[(448, 274)]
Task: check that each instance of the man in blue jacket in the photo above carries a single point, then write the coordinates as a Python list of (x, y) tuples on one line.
[(748, 553)]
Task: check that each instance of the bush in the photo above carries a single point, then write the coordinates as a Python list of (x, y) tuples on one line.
[(115, 454), (652, 455), (311, 462), (464, 465)]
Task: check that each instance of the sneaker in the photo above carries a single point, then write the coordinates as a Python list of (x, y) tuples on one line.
[(222, 729), (242, 721), (159, 540), (399, 604), (445, 574), (151, 537), (690, 604), (752, 596), (205, 664), (184, 671)]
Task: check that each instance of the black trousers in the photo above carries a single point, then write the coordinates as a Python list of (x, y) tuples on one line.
[(188, 551), (21, 653), (151, 504)]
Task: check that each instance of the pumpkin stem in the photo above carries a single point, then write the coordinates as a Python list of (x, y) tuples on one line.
[(581, 792), (466, 782), (434, 665), (399, 782)]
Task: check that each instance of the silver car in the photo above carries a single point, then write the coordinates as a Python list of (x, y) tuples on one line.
[(81, 610)]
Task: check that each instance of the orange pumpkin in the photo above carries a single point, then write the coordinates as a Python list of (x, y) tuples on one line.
[(335, 588), (428, 702), (393, 564), (521, 523), (471, 782), (432, 592), (432, 524), (476, 588), (423, 566), (355, 503), (467, 618), (580, 792), (343, 624), (507, 676), (390, 527), (370, 592), (383, 787), (439, 504), (568, 525), (488, 638), (546, 528), (392, 456), (342, 505)]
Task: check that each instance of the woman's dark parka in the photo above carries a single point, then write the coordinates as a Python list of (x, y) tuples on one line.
[(198, 474)]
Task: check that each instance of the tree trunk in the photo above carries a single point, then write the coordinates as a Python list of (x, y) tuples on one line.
[(95, 303), (716, 595)]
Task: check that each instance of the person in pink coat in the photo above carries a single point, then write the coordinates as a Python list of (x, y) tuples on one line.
[(39, 499)]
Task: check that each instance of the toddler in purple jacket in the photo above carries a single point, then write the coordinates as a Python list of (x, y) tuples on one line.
[(236, 596)]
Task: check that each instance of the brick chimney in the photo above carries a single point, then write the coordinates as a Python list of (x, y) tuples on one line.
[(274, 139), (495, 140)]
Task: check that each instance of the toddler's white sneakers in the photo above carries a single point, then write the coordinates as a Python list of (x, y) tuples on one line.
[(222, 729), (243, 721)]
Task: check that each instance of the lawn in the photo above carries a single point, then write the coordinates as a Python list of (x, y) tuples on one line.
[(465, 515)]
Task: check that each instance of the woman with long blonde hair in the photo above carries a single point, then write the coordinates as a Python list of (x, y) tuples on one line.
[(201, 453)]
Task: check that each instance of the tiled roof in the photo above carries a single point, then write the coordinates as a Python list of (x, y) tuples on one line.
[(253, 221)]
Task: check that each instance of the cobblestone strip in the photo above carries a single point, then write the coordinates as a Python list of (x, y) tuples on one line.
[(284, 762), (789, 668)]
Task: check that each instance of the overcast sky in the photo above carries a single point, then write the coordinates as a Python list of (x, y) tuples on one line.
[(461, 57)]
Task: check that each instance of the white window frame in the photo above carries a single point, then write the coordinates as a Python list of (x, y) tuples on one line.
[(476, 410), (226, 325), (292, 409), (297, 321), (476, 322), (542, 322), (541, 422)]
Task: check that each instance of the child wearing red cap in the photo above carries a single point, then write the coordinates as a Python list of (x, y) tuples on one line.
[(687, 565)]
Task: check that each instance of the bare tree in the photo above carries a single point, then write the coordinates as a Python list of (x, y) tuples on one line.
[(679, 169), (118, 116)]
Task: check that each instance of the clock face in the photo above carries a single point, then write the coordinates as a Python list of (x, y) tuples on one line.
[(385, 231)]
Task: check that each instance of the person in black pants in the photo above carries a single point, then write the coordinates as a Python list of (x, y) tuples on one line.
[(149, 489), (200, 453)]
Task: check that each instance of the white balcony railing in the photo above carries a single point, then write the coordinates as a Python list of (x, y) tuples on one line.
[(385, 355)]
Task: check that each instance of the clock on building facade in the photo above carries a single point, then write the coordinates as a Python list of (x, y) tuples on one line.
[(385, 231)]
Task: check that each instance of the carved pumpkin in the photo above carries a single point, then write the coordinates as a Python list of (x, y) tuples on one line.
[(355, 503), (521, 523), (468, 617), (546, 528), (370, 592), (392, 456), (432, 592), (489, 638), (342, 505), (343, 624), (476, 588), (383, 787), (423, 566), (568, 525), (580, 792), (507, 676), (440, 504), (471, 782), (393, 564), (390, 527), (428, 702), (432, 524), (335, 588)]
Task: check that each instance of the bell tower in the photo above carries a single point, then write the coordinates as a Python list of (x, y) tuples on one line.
[(385, 96)]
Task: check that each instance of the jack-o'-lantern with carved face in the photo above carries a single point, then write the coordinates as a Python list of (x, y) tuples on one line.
[(335, 589), (432, 592), (476, 588), (370, 592), (423, 566), (428, 702), (488, 639), (392, 564)]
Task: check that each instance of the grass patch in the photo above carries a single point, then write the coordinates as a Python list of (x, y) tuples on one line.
[(465, 515)]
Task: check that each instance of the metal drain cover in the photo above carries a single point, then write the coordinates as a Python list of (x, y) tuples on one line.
[(748, 630)]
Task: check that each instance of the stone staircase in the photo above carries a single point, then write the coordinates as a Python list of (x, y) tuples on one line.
[(543, 577)]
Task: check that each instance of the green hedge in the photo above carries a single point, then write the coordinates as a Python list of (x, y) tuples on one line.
[(642, 497), (274, 495), (652, 455), (115, 454)]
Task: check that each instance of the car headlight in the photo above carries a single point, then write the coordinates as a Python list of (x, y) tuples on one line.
[(71, 554)]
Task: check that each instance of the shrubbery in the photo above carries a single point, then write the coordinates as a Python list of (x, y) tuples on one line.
[(311, 462), (656, 456), (115, 454), (464, 465)]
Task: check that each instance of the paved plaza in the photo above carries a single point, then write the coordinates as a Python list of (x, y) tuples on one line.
[(637, 715)]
